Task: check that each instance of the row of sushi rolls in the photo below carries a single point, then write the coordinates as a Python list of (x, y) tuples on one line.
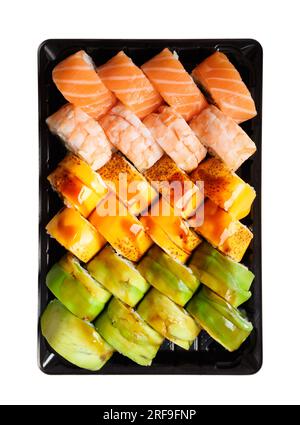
[(131, 279)]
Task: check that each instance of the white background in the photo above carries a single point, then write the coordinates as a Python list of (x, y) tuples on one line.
[(23, 25)]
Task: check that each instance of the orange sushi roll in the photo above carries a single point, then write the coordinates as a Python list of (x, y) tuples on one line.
[(128, 134), (176, 138), (224, 232), (174, 84), (130, 85), (223, 83), (121, 229), (224, 188), (223, 137), (77, 80), (175, 185), (76, 234), (130, 186), (170, 231), (81, 134), (68, 180)]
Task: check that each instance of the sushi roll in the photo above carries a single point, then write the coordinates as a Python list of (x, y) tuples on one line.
[(121, 229), (129, 185), (75, 234), (130, 85), (169, 231), (168, 319), (128, 134), (169, 276), (224, 232), (125, 330), (74, 339), (175, 185), (119, 276), (224, 187), (222, 137), (176, 138), (224, 85), (219, 319), (174, 84), (81, 134), (229, 279), (76, 289), (67, 181), (77, 80)]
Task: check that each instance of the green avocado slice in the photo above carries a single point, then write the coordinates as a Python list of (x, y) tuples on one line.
[(127, 333), (76, 289), (221, 320), (119, 276), (229, 279), (74, 339), (169, 319)]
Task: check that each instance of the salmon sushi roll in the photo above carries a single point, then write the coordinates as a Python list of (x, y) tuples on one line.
[(223, 137), (225, 87), (77, 80), (81, 134), (130, 85), (176, 138), (128, 134), (174, 84)]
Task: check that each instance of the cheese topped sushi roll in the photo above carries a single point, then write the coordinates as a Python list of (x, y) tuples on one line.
[(121, 229), (130, 186), (130, 85), (222, 81), (224, 232), (222, 137), (169, 231), (81, 134), (128, 134), (175, 186), (174, 84), (176, 138), (76, 234), (72, 188), (77, 80), (224, 188)]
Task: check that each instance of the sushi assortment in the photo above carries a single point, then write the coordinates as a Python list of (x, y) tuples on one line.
[(152, 150)]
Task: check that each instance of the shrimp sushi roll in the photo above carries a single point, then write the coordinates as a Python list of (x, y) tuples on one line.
[(174, 84), (223, 137), (128, 134), (224, 232), (130, 85), (176, 138), (81, 134), (130, 186), (224, 188), (77, 80), (225, 87)]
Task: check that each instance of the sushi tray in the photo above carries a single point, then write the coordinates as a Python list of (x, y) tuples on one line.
[(150, 206)]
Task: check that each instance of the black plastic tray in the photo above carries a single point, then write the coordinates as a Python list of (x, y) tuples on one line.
[(205, 356)]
